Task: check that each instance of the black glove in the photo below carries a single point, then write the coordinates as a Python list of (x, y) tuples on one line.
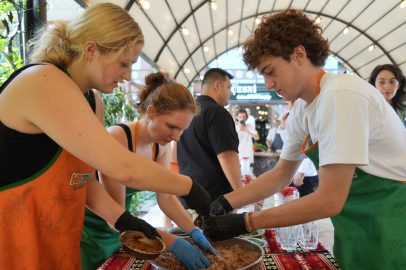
[(220, 207), (198, 199), (224, 227), (127, 222)]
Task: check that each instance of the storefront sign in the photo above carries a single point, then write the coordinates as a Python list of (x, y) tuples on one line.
[(243, 89), (252, 92), (253, 97)]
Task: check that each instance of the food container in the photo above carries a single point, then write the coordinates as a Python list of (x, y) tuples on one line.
[(243, 243), (256, 234), (260, 242), (137, 245)]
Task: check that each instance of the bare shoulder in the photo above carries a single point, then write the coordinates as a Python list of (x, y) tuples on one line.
[(164, 150), (119, 134), (41, 79), (36, 89), (41, 74)]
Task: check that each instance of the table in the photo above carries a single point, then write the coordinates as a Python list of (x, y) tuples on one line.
[(275, 258)]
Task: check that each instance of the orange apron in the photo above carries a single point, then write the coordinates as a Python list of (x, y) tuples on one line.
[(41, 217)]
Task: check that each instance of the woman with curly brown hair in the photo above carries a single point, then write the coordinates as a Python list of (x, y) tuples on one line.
[(351, 134), (389, 80)]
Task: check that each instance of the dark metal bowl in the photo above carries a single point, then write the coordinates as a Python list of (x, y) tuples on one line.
[(129, 245), (243, 243)]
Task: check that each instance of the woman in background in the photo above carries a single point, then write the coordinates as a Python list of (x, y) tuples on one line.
[(391, 82), (166, 110)]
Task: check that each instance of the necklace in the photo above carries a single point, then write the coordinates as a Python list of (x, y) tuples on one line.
[(143, 151)]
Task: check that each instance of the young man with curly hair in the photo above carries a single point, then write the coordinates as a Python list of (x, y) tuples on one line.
[(351, 134)]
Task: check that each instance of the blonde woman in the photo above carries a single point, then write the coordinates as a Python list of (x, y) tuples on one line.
[(51, 141), (166, 109)]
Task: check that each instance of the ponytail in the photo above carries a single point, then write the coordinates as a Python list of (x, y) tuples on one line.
[(109, 25), (165, 96)]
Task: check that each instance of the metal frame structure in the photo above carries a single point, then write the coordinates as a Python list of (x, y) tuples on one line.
[(321, 13)]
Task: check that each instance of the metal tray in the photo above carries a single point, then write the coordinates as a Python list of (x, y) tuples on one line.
[(243, 243)]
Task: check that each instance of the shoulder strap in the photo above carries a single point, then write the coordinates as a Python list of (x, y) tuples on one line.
[(156, 151), (129, 138), (130, 142), (15, 73), (92, 100)]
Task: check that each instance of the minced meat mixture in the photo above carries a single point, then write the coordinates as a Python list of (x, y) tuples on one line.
[(234, 257)]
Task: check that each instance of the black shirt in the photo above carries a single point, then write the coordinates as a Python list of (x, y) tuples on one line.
[(209, 134)]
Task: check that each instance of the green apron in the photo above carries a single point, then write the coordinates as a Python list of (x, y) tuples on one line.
[(369, 233), (99, 241)]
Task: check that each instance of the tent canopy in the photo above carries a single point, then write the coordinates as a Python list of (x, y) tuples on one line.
[(381, 23)]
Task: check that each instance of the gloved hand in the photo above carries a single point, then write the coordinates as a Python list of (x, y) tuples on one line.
[(219, 207), (127, 222), (224, 227), (190, 256), (200, 240), (198, 199)]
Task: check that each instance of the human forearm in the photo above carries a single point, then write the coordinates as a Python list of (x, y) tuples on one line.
[(165, 181), (268, 143), (230, 164), (99, 201), (172, 208), (168, 238), (327, 201), (254, 135), (265, 185)]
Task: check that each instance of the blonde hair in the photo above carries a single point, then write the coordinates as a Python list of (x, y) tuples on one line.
[(166, 96), (109, 25)]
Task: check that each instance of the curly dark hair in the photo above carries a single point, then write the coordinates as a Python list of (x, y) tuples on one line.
[(398, 101), (278, 34)]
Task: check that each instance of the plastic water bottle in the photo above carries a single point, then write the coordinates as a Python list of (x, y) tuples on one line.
[(286, 195), (245, 166)]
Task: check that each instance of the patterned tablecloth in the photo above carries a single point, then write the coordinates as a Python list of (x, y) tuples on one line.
[(275, 258)]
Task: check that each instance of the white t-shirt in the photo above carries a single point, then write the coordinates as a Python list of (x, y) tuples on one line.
[(306, 167), (251, 121), (245, 145), (353, 124), (271, 134)]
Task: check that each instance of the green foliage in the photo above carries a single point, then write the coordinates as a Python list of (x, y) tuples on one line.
[(115, 107), (261, 147), (9, 59), (138, 199)]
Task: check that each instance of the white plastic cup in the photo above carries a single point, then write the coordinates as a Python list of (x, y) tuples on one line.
[(309, 235), (277, 238), (288, 237)]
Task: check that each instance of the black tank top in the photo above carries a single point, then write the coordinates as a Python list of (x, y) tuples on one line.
[(22, 155)]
